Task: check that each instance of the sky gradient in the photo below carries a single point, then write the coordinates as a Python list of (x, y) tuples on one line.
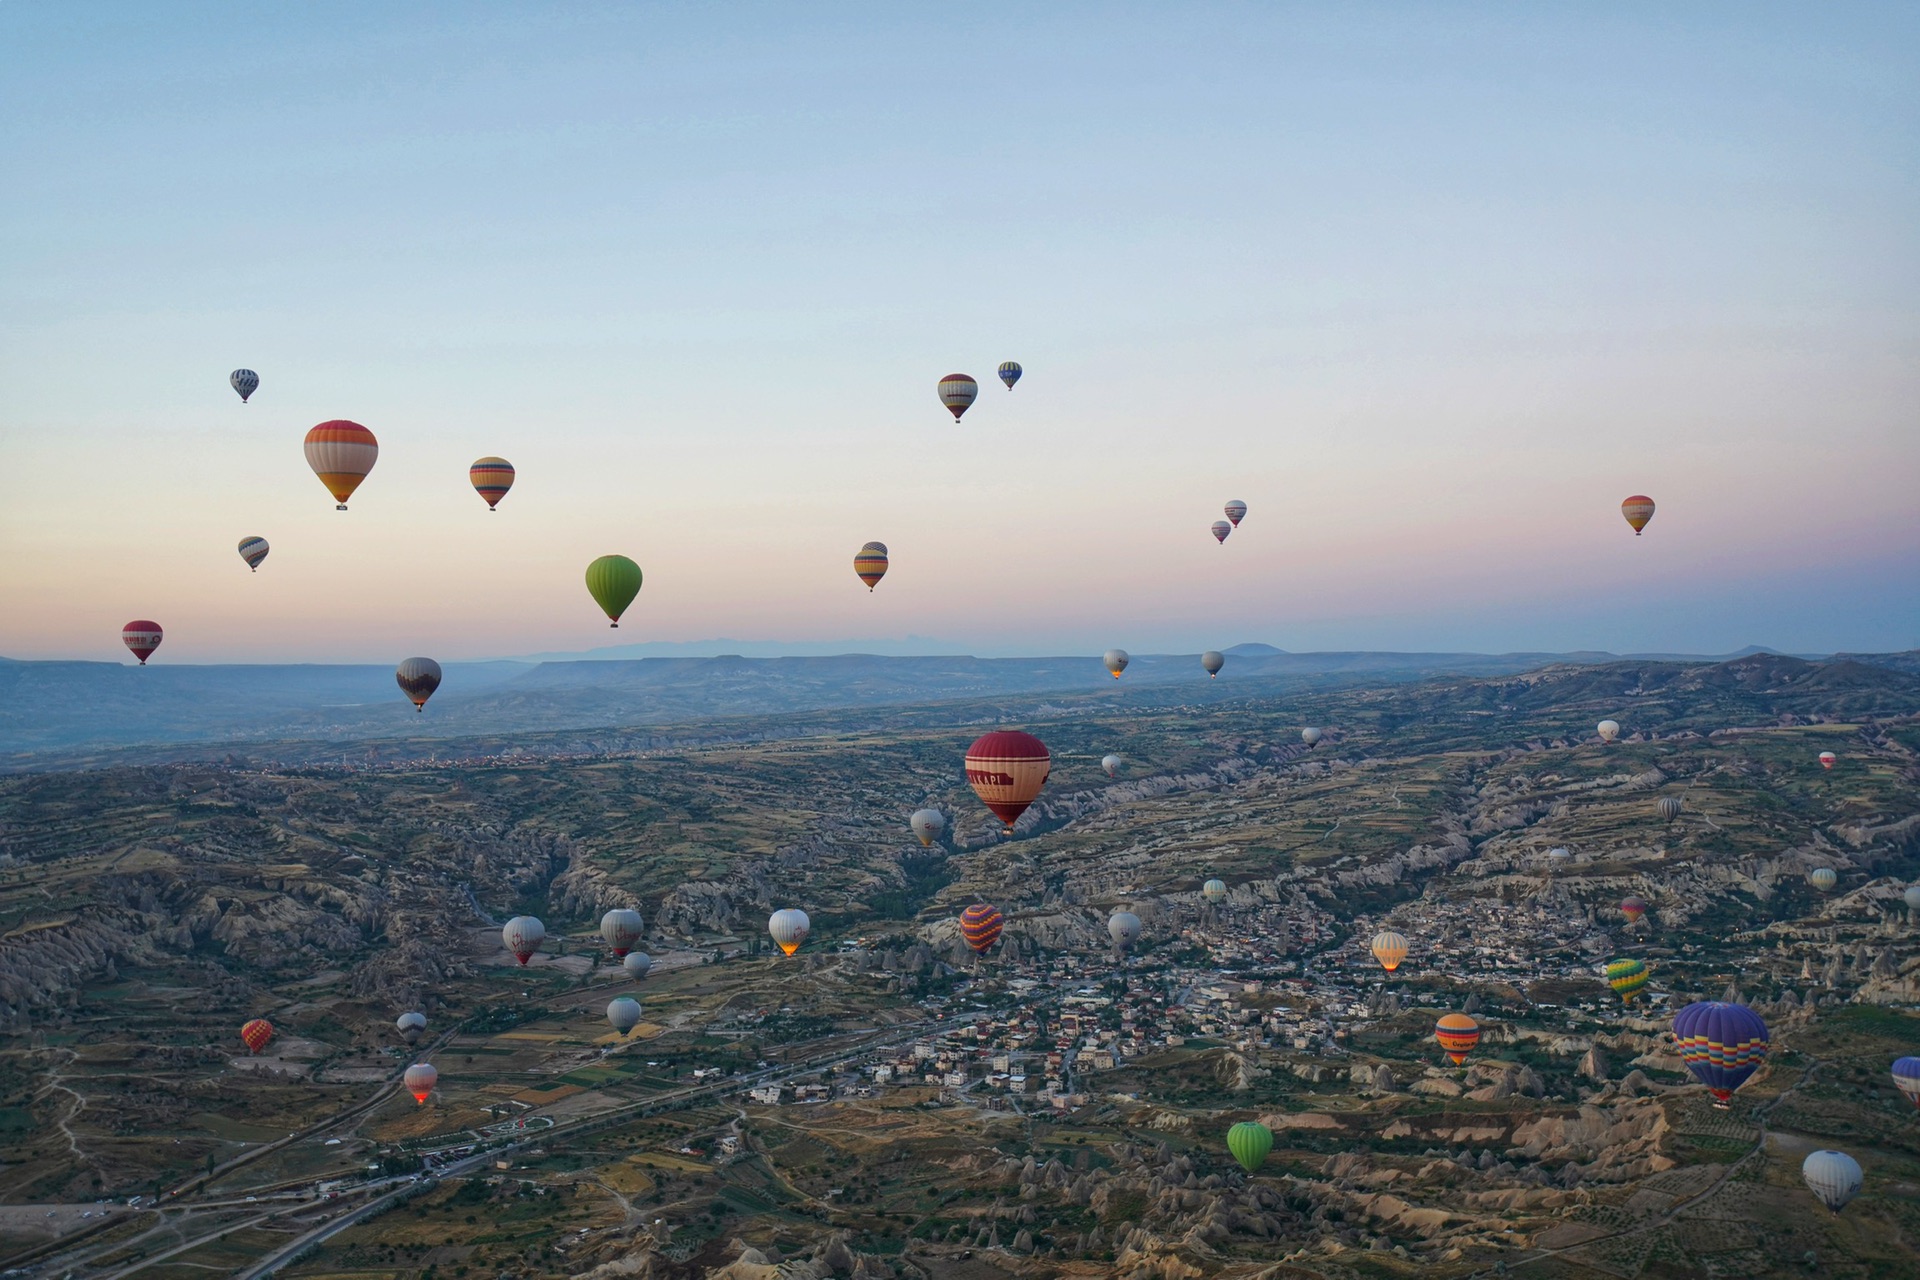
[(1430, 289)]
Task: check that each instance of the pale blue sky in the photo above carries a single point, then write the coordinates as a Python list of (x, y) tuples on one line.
[(1431, 287)]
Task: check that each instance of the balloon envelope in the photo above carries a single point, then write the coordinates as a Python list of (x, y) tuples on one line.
[(1833, 1177), (1626, 976), (1006, 769), (1220, 530), (1668, 807), (637, 964), (1124, 928), (1112, 765), (1389, 948), (980, 925), (1638, 510), (418, 678), (870, 563), (1116, 661), (253, 550), (957, 391), (143, 637), (523, 936), (1608, 730), (1721, 1044), (624, 1013), (1214, 890), (1633, 909), (420, 1079), (244, 381), (411, 1025), (928, 824), (491, 478), (1912, 897), (1457, 1034), (1827, 759), (1823, 879), (255, 1034), (789, 927), (1009, 373), (1211, 661), (613, 582), (1236, 512), (1906, 1078), (341, 453), (1311, 736), (621, 928), (1249, 1143)]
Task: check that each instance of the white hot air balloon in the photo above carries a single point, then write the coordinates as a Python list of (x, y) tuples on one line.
[(637, 964), (1116, 661), (789, 927), (1311, 736), (1833, 1177), (412, 1026), (1912, 897), (523, 936), (1214, 891), (420, 1079), (621, 928), (1112, 765), (1608, 730), (1211, 661), (624, 1013), (928, 824), (1124, 928)]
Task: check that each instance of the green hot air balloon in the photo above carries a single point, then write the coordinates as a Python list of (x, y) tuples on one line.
[(1249, 1143), (613, 581)]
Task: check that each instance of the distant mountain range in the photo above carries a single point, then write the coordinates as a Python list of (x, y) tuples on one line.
[(55, 712)]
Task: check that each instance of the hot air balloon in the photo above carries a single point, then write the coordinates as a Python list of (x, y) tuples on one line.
[(1116, 661), (245, 381), (1211, 661), (256, 1034), (1124, 928), (613, 581), (1833, 1177), (1638, 510), (1249, 1143), (253, 550), (1009, 374), (928, 824), (621, 928), (1220, 530), (1912, 897), (418, 678), (1668, 807), (523, 936), (1906, 1078), (789, 927), (420, 1079), (870, 563), (1633, 909), (1626, 976), (1722, 1044), (491, 478), (1559, 857), (1389, 948), (1112, 765), (143, 637), (1457, 1034), (341, 453), (624, 1013), (1823, 879), (1236, 512), (957, 391), (980, 926), (1214, 891), (1828, 759), (1608, 730), (637, 964), (1311, 736), (1006, 769), (411, 1026)]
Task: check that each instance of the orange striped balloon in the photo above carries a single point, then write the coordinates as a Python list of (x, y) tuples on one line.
[(870, 562), (341, 453), (1457, 1034), (980, 926), (491, 477), (256, 1034), (1638, 510)]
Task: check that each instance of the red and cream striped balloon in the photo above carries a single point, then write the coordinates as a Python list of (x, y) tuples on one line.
[(141, 636), (1006, 769), (980, 926), (341, 453), (957, 391)]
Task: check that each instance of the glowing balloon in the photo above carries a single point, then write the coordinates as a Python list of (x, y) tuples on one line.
[(1311, 736), (1609, 730), (523, 936), (789, 928), (341, 453), (411, 1026), (1112, 765), (253, 550), (1214, 891), (1457, 1034), (928, 824), (957, 391), (1638, 510), (491, 478), (1211, 661), (1833, 1177), (1722, 1044), (1828, 759), (420, 1079), (1009, 374), (1124, 928), (1220, 530), (1389, 948), (143, 637), (1626, 976), (244, 381), (1633, 909), (613, 582), (624, 1013), (1906, 1078), (980, 925), (1249, 1143), (1116, 661), (256, 1034), (1006, 769), (621, 928), (870, 563), (418, 678), (1823, 879), (1236, 512), (638, 964)]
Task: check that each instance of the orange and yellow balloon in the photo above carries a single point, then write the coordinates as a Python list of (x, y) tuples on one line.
[(341, 453), (1389, 948), (1638, 510), (1457, 1034), (491, 478)]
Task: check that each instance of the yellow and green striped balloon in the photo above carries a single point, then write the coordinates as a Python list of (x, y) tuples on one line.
[(1627, 976), (613, 582)]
